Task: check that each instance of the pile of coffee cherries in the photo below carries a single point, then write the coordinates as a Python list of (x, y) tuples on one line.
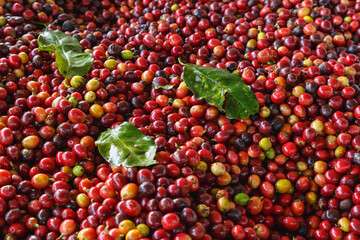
[(289, 172)]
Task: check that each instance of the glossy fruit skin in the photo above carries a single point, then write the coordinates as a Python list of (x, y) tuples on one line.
[(68, 227), (87, 234), (6, 136), (289, 171), (170, 221), (290, 223), (238, 232), (289, 149), (5, 177)]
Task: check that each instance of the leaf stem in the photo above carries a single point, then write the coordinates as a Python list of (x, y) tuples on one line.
[(181, 63)]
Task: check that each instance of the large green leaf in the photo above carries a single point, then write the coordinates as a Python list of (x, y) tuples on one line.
[(69, 56), (218, 85), (126, 145)]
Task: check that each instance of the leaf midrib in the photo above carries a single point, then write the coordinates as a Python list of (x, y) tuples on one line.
[(226, 91), (63, 52), (127, 148), (204, 74), (67, 57)]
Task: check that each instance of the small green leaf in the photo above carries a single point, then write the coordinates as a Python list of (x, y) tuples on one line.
[(166, 87), (69, 57), (126, 145), (218, 85)]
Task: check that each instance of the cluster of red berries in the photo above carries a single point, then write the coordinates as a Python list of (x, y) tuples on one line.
[(291, 171)]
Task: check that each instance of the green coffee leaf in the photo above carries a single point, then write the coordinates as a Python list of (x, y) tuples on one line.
[(69, 57), (217, 85), (126, 145)]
